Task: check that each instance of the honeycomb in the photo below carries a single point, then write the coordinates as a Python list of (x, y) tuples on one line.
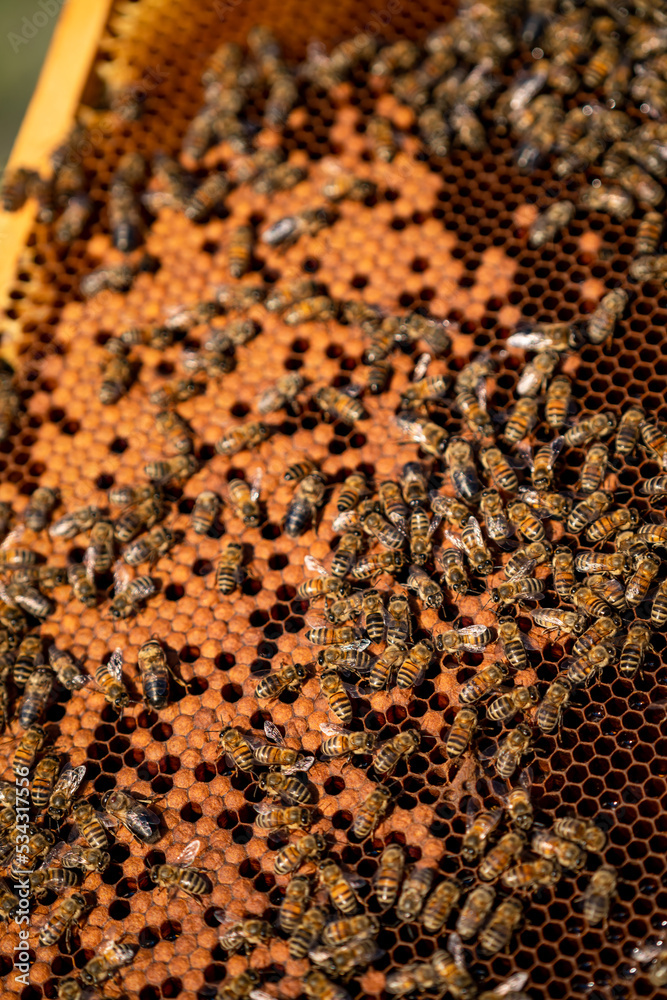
[(449, 236)]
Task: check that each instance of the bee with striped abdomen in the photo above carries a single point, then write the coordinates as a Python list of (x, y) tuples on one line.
[(307, 499), (557, 404), (522, 420), (205, 512), (473, 638), (244, 498), (389, 753), (500, 470), (628, 431), (63, 920), (181, 874), (371, 812), (241, 438), (519, 699), (498, 932), (294, 904), (637, 641), (44, 778), (290, 677), (480, 824), (389, 875), (37, 691), (462, 731), (127, 602), (28, 747), (229, 571), (308, 848)]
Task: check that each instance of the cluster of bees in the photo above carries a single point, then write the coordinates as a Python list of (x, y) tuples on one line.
[(473, 503)]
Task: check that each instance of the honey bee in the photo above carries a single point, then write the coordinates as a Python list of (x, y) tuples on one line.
[(430, 387), (229, 571), (389, 874), (28, 658), (480, 824), (389, 753), (245, 436), (628, 430), (511, 749), (520, 699), (518, 804), (391, 501), (178, 391), (594, 468), (585, 669), (598, 426), (548, 844), (461, 467), (152, 663), (478, 903), (286, 231), (652, 534), (501, 856), (290, 677), (37, 690), (294, 904), (659, 609), (451, 565), (205, 512), (307, 848), (318, 987), (498, 932), (485, 680), (379, 562), (63, 920), (340, 891), (559, 337), (619, 204), (39, 508), (379, 376), (598, 895), (522, 420), (100, 552), (182, 875), (495, 519), (429, 436), (536, 375), (244, 935), (126, 603), (384, 666), (525, 522), (60, 801), (649, 234), (512, 591), (610, 309), (589, 510), (439, 905), (88, 859), (315, 308), (603, 628), (498, 467), (308, 497), (139, 517), (354, 488), (276, 818), (563, 572), (414, 664), (549, 223), (640, 582), (476, 551), (91, 828), (473, 638), (336, 694), (76, 521), (290, 789), (134, 815), (472, 406), (74, 219), (416, 888), (341, 742), (308, 932), (433, 332), (44, 778), (462, 731), (610, 523), (28, 747), (82, 588), (339, 931), (636, 643), (584, 833), (389, 536), (278, 177), (381, 134), (299, 470)]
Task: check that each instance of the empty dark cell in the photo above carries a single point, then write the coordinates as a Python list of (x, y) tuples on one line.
[(170, 930), (278, 561), (249, 868), (202, 567), (205, 772), (174, 592), (119, 909), (189, 654), (258, 618)]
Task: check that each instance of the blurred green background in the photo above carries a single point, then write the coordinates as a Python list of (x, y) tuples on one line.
[(26, 27)]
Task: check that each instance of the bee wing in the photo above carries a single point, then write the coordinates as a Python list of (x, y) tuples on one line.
[(352, 390), (255, 485), (556, 447), (526, 455), (472, 630), (304, 764), (188, 854), (456, 540), (70, 778), (89, 563), (480, 392), (13, 538), (115, 665), (74, 857), (433, 527), (147, 815), (260, 995), (272, 733), (54, 853), (331, 729), (455, 949), (359, 645), (412, 428), (473, 807), (512, 984), (525, 340), (525, 570), (348, 519), (421, 367), (315, 566)]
